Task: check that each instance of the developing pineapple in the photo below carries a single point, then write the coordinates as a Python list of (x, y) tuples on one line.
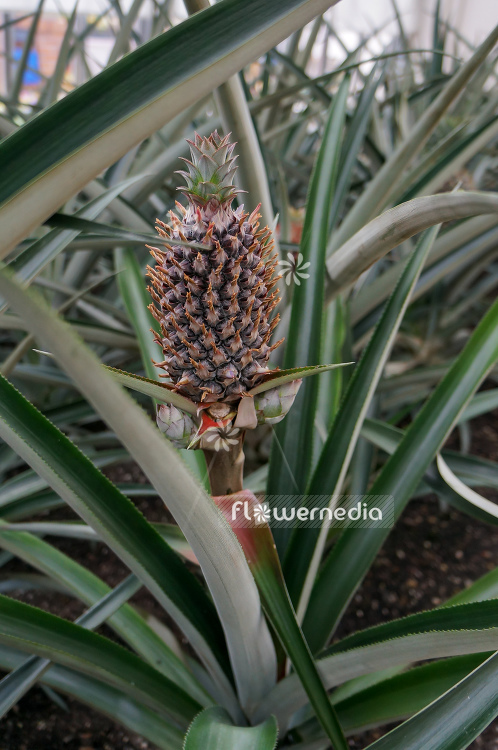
[(214, 303)]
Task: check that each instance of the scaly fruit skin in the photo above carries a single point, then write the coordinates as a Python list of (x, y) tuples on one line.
[(214, 303)]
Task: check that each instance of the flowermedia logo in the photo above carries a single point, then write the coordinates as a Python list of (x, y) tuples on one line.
[(313, 511)]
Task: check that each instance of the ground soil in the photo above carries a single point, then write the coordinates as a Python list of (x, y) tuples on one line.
[(431, 554)]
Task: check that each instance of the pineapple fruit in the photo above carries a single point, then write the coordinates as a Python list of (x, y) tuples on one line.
[(213, 297), (214, 303)]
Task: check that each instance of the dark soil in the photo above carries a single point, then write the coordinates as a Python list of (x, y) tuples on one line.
[(430, 555)]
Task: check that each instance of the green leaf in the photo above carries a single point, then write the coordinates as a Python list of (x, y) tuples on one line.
[(403, 695), (116, 519), (152, 388), (279, 377), (453, 721), (462, 244), (218, 552), (484, 588), (459, 469), (447, 631), (119, 234), (306, 547), (31, 261), (87, 587), (480, 503), (57, 153), (293, 439), (353, 142), (391, 228), (27, 482), (132, 287), (51, 93), (355, 551), (259, 548), (30, 629), (106, 699), (18, 682), (383, 187), (213, 730), (331, 386), (23, 62), (480, 404)]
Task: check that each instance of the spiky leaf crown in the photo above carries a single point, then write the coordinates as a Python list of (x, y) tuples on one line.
[(210, 170), (214, 305)]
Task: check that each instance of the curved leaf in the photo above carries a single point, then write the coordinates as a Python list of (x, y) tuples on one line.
[(113, 516), (391, 228), (18, 682), (383, 187), (213, 730), (106, 699), (453, 721), (403, 695), (83, 584), (468, 494), (220, 556), (355, 551), (30, 629), (448, 631)]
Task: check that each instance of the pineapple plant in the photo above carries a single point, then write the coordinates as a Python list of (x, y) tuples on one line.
[(214, 296), (254, 604)]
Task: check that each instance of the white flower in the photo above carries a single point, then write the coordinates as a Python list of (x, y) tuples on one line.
[(222, 438), (294, 269)]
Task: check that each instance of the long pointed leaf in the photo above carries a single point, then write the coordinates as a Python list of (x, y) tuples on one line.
[(29, 629), (454, 720), (293, 440), (17, 683), (116, 519), (382, 187), (259, 548), (220, 556), (83, 584), (106, 699), (391, 228), (356, 549), (329, 475), (448, 631), (55, 154)]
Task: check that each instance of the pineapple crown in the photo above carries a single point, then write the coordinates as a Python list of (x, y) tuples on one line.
[(210, 171)]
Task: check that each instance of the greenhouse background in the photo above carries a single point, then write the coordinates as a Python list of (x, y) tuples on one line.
[(352, 20)]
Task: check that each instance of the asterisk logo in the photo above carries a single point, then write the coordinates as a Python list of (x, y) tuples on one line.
[(293, 269), (261, 513)]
